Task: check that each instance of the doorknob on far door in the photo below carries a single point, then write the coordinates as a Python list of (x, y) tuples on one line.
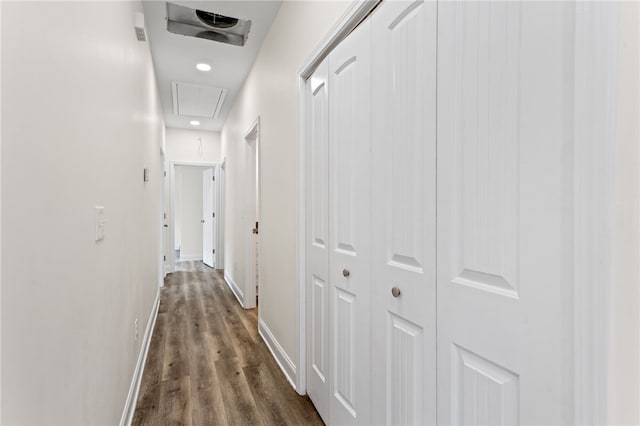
[(345, 273), (202, 221), (165, 225), (395, 292)]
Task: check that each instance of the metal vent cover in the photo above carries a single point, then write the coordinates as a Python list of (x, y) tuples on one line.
[(198, 23)]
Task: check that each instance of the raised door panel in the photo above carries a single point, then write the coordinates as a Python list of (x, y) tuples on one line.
[(403, 212), (503, 289), (349, 227), (317, 294)]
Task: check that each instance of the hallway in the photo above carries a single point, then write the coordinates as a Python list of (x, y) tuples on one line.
[(207, 364)]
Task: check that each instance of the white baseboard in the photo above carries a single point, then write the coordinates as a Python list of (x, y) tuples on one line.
[(168, 269), (281, 357), (130, 404), (189, 257), (234, 289)]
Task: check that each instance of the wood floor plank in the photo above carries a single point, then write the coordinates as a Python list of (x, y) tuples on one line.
[(175, 402), (206, 363), (240, 406), (149, 394)]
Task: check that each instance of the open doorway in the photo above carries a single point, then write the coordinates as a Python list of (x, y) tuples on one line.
[(195, 222), (252, 214)]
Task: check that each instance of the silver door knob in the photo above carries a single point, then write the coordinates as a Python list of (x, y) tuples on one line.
[(395, 292), (345, 273)]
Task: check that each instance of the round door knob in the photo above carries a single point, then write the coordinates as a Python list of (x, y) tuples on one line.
[(395, 292), (345, 273), (202, 221)]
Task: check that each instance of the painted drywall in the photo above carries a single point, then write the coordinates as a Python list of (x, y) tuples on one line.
[(189, 211), (624, 356), (184, 146), (0, 213), (270, 92), (81, 120)]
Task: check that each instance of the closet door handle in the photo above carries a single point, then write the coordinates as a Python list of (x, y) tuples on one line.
[(395, 292), (345, 273)]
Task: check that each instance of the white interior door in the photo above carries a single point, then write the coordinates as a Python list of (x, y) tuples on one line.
[(349, 227), (208, 217), (317, 221), (403, 213), (251, 219), (504, 247)]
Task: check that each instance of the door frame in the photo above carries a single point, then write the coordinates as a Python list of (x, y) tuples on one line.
[(251, 253), (171, 221), (590, 190)]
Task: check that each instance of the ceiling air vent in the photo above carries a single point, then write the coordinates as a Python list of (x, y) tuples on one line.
[(208, 25), (194, 100)]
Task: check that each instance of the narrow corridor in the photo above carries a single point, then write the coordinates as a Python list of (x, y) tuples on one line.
[(208, 365)]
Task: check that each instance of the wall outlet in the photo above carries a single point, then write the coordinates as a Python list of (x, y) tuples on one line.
[(135, 327)]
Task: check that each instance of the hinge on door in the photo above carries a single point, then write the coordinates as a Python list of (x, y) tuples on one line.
[(165, 173), (165, 215), (164, 258), (214, 214), (213, 178), (214, 251)]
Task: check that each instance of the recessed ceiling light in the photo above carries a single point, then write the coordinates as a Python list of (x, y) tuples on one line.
[(194, 122), (203, 67)]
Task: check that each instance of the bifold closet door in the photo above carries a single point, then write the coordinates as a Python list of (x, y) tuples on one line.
[(504, 223), (317, 208), (403, 213), (349, 227)]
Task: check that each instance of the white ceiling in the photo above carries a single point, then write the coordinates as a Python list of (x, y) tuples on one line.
[(175, 56)]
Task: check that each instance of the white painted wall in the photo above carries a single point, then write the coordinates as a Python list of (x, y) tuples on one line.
[(183, 146), (270, 92), (0, 215), (624, 357), (81, 121), (189, 211)]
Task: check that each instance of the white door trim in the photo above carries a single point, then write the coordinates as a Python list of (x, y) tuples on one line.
[(595, 66), (249, 299), (590, 206), (171, 219), (352, 17)]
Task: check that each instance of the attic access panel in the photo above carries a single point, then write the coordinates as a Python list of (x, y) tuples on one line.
[(194, 100), (198, 23)]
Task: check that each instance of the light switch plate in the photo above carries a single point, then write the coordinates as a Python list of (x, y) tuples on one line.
[(99, 223)]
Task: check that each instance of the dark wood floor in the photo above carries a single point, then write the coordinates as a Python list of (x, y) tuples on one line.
[(207, 364)]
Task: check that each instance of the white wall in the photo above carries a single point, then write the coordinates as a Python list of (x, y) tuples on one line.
[(183, 146), (624, 357), (81, 119), (189, 211), (270, 92)]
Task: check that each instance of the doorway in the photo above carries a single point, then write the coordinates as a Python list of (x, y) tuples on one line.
[(252, 215), (194, 222)]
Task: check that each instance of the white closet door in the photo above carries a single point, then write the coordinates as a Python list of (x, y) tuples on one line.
[(317, 294), (403, 213), (349, 225), (504, 241)]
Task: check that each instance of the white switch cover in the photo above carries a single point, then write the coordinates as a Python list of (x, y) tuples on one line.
[(99, 223)]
